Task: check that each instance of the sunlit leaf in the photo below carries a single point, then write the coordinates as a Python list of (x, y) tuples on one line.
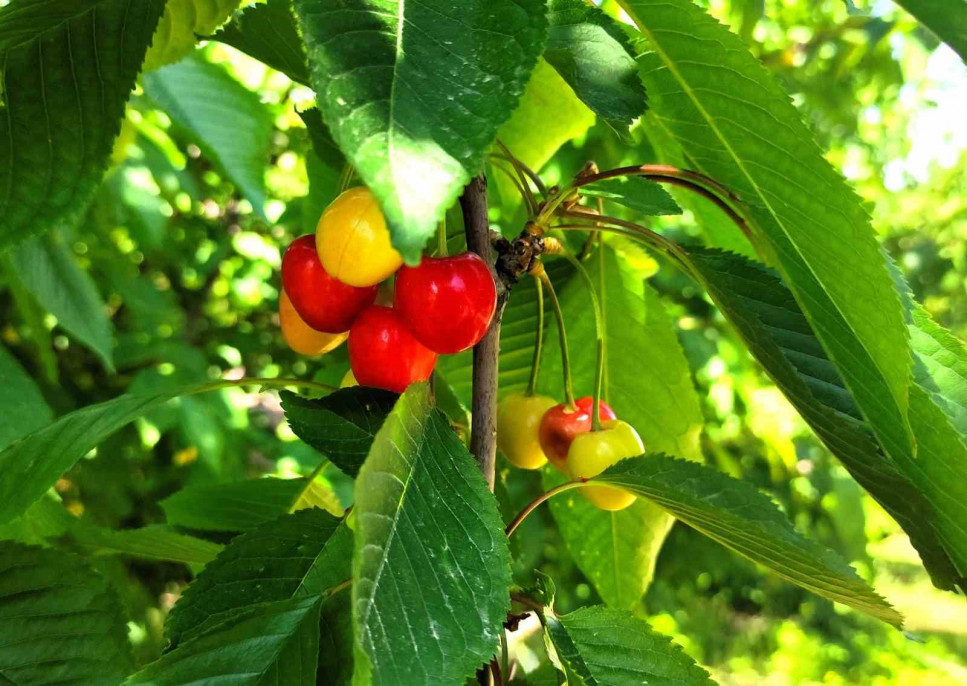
[(183, 20), (267, 31), (635, 193)]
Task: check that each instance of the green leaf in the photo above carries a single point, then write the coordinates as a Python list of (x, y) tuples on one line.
[(22, 406), (736, 124), (33, 464), (322, 143), (616, 551), (341, 425), (271, 643), (298, 555), (946, 18), (768, 319), (235, 506), (227, 120), (148, 543), (49, 271), (591, 52), (599, 646), (175, 39), (636, 193), (267, 31), (414, 93), (431, 555), (741, 518), (59, 620), (68, 67), (940, 365)]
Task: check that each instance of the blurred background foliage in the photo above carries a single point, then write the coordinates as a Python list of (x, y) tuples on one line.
[(208, 185)]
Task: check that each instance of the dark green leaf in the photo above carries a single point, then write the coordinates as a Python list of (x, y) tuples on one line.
[(591, 52), (266, 644), (341, 425), (68, 67), (298, 555), (237, 506), (599, 646), (735, 123), (228, 121), (414, 93), (641, 195), (322, 143), (617, 550), (183, 20), (766, 316), (267, 31), (741, 518), (22, 406), (430, 556), (946, 18), (148, 543), (59, 620), (49, 271)]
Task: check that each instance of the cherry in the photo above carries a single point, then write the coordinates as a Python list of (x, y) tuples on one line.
[(447, 302), (323, 302), (384, 354), (560, 426)]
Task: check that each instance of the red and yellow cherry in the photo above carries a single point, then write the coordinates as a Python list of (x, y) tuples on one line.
[(324, 303), (384, 354), (300, 336), (518, 419), (559, 427), (447, 302), (353, 241), (593, 452)]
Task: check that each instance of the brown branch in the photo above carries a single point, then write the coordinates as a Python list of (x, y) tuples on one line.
[(483, 428)]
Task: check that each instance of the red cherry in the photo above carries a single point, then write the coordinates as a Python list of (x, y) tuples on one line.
[(447, 302), (324, 302), (559, 427), (384, 354)]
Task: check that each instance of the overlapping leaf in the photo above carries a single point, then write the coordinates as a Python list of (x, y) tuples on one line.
[(59, 620), (946, 18), (267, 31), (68, 68), (414, 93), (638, 194), (234, 506), (341, 425), (182, 21), (736, 124), (430, 555), (743, 519)]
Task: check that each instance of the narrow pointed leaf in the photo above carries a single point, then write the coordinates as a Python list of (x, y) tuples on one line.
[(430, 554), (414, 93), (59, 620), (233, 506), (147, 543), (67, 70), (638, 194), (741, 518), (733, 120)]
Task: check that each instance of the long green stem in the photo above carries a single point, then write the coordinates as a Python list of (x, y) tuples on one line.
[(565, 355), (531, 174), (345, 178), (536, 502), (525, 193), (441, 237), (599, 334), (538, 339)]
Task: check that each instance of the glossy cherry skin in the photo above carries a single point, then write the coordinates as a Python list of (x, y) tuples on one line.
[(324, 302), (518, 419), (559, 427), (447, 302), (301, 337), (593, 452), (384, 354)]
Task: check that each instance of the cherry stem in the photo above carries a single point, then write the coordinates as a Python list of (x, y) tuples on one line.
[(345, 178), (538, 339), (541, 274), (531, 174), (441, 237), (525, 192), (599, 334), (536, 502)]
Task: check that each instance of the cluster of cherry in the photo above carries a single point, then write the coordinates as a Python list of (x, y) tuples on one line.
[(331, 292)]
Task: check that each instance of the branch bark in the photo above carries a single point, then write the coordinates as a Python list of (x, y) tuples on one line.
[(483, 427)]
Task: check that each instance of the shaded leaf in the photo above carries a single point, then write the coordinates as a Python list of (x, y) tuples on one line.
[(635, 193), (59, 620), (741, 518), (430, 554), (592, 53), (22, 406), (946, 18), (322, 143), (267, 31), (341, 425), (227, 120), (148, 543), (234, 506), (414, 93), (49, 271), (68, 68), (735, 123)]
